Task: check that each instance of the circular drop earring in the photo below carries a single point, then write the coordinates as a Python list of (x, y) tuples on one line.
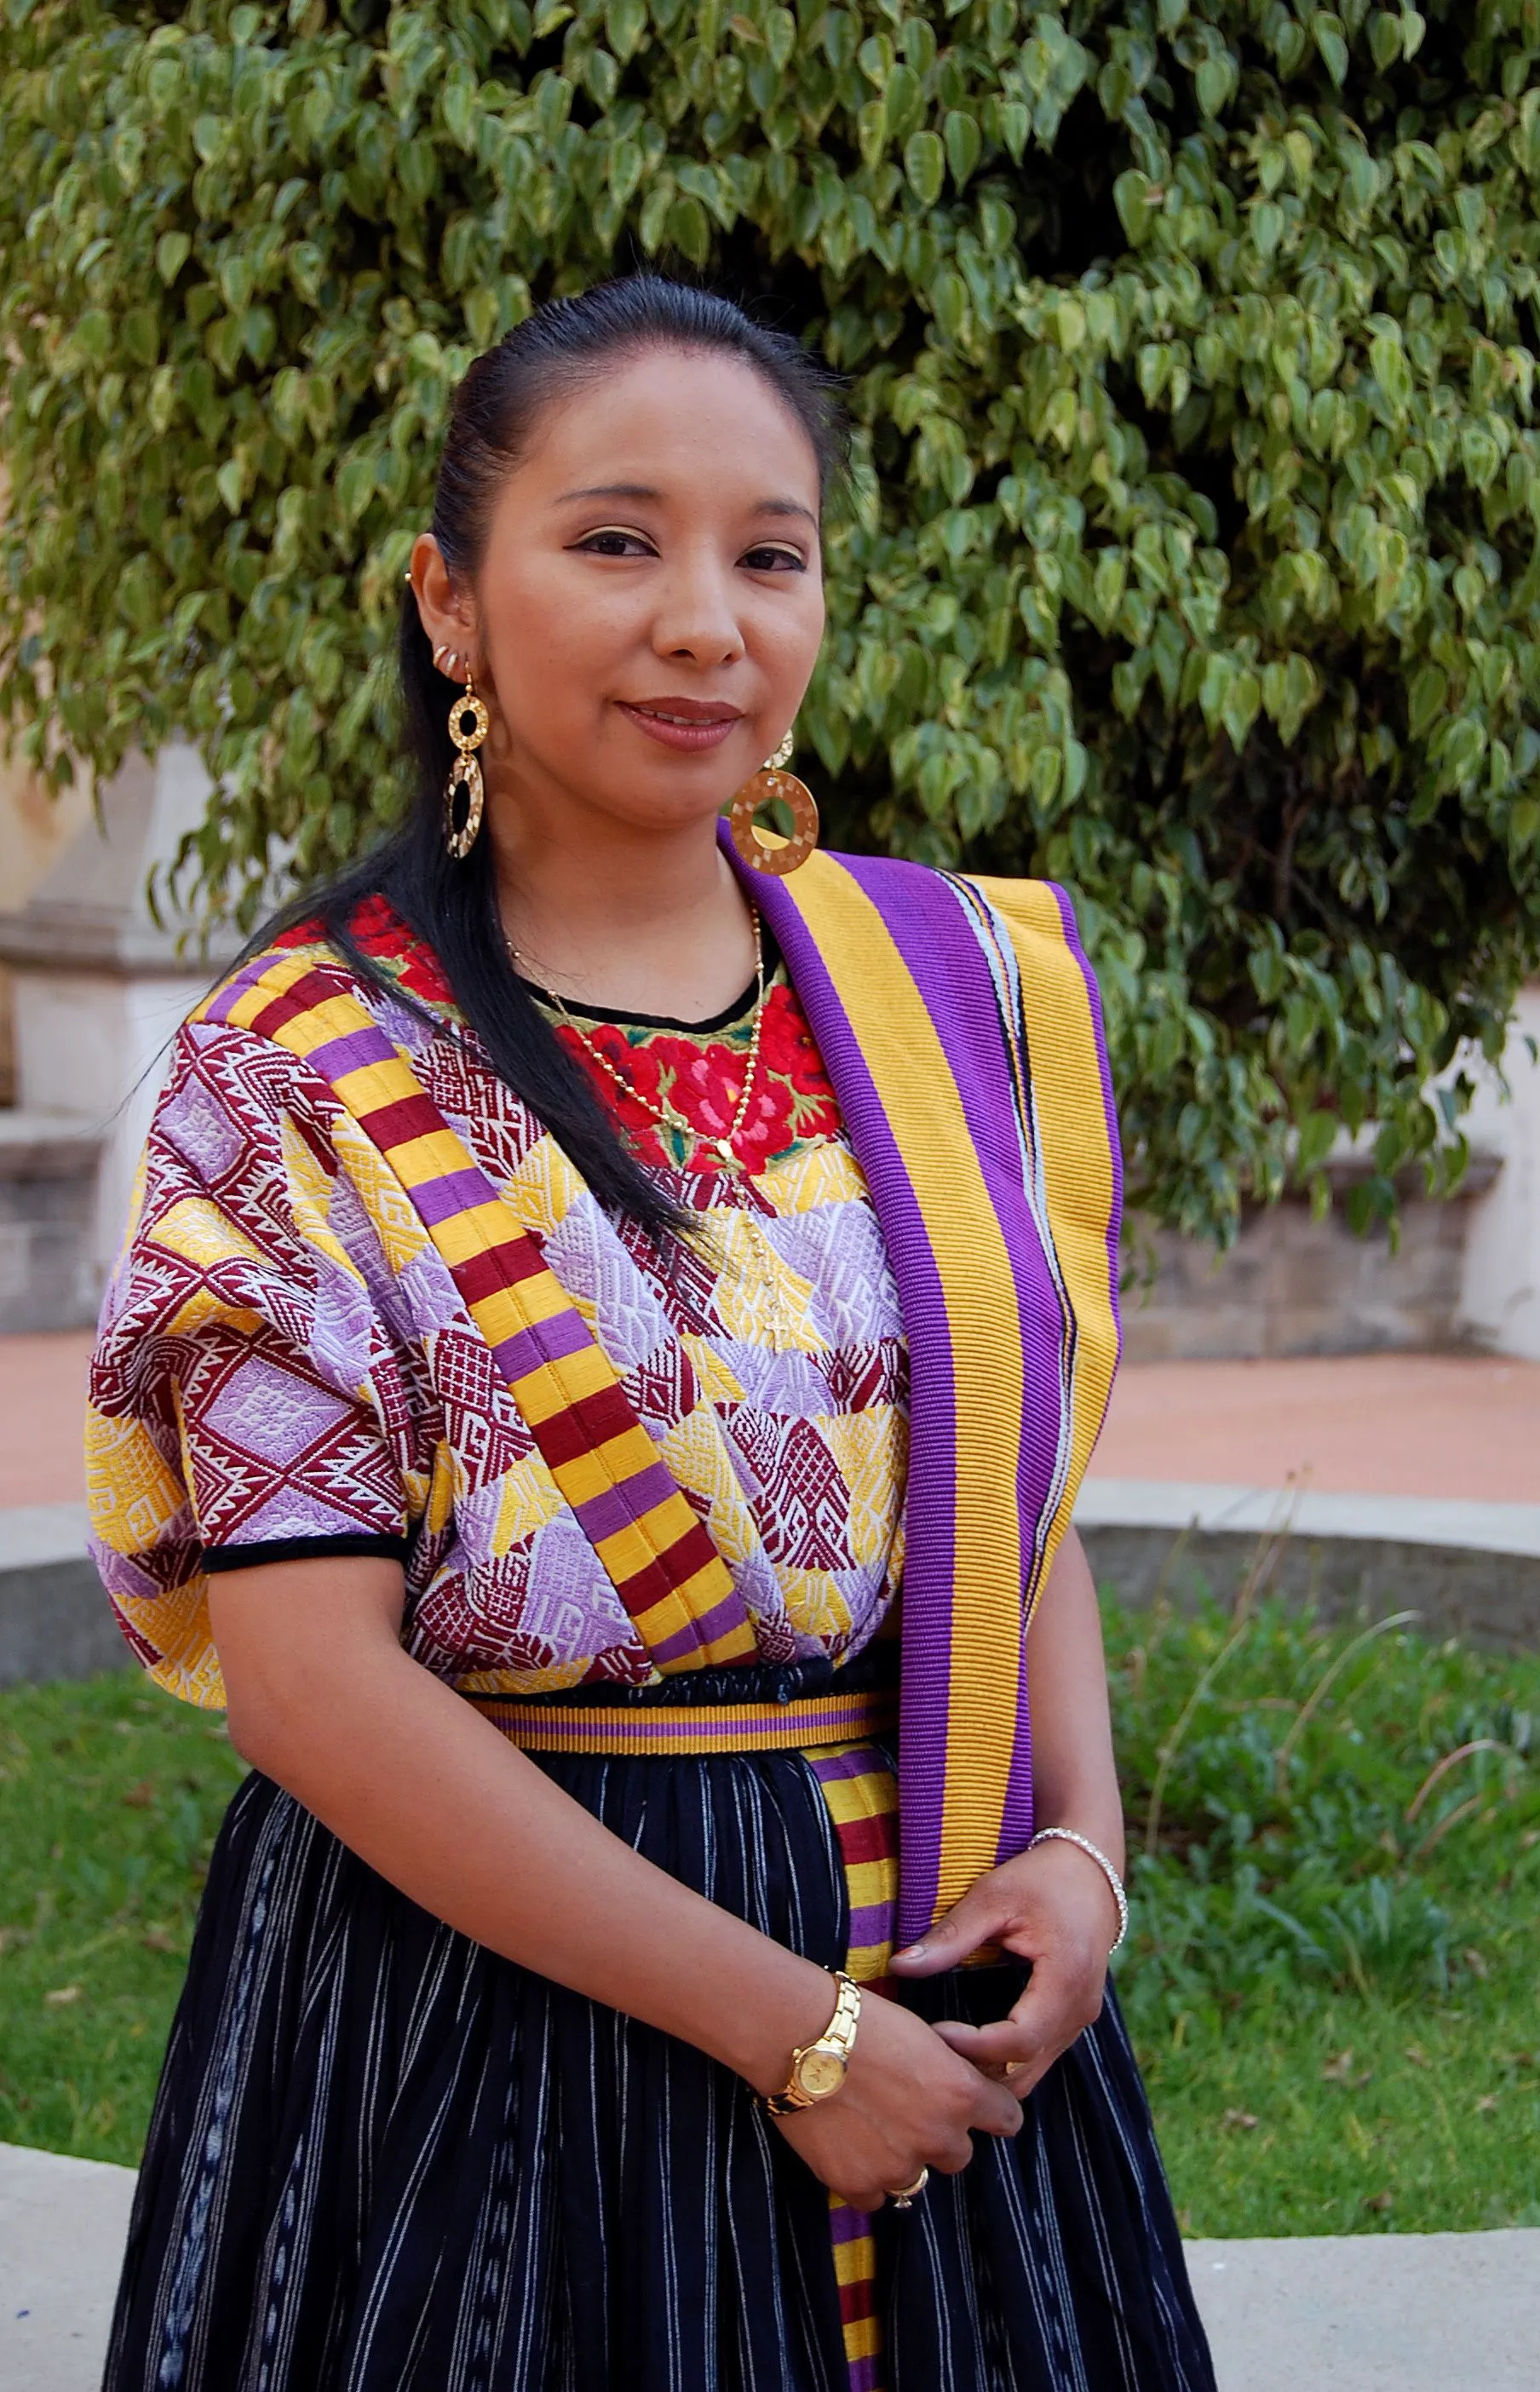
[(464, 792), (771, 782)]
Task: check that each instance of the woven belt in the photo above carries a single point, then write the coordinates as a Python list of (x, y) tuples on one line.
[(690, 1730)]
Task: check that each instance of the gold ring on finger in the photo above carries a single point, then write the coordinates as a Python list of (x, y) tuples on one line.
[(906, 2194)]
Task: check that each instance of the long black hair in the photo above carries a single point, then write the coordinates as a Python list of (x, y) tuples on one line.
[(454, 905)]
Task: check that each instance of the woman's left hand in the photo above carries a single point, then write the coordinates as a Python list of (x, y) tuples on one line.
[(1054, 1907)]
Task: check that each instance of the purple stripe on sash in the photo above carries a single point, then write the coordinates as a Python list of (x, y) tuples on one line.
[(871, 1924), (723, 1616), (600, 1515), (1114, 1132), (351, 1052), (931, 1505), (221, 1006), (848, 2225), (865, 2374), (859, 1764), (544, 1341), (457, 1191)]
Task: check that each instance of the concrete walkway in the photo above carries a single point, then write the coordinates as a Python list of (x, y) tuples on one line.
[(1373, 2312), (1364, 2313), (63, 2224)]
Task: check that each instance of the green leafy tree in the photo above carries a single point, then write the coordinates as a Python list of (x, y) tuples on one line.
[(1191, 556)]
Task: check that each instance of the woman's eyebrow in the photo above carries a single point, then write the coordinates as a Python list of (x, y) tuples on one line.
[(644, 490), (610, 491)]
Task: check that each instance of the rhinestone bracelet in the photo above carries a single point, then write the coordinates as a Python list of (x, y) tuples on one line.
[(1069, 1836)]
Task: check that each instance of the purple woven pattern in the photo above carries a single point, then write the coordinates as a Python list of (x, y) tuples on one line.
[(336, 1385)]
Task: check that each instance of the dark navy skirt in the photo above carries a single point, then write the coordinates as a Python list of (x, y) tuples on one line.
[(384, 2160)]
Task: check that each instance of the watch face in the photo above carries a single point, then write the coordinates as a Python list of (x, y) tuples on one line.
[(819, 2072)]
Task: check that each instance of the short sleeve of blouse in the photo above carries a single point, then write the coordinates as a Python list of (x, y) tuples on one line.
[(247, 1401)]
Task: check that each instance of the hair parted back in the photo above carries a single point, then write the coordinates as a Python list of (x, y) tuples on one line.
[(561, 347)]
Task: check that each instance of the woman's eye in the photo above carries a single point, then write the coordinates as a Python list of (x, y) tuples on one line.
[(774, 559), (615, 544)]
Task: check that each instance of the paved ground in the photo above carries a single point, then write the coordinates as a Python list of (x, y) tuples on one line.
[(1373, 2312), (1366, 2313), (1461, 1426), (63, 2224), (1456, 1426)]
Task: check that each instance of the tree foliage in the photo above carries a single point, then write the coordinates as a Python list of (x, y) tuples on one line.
[(1191, 557)]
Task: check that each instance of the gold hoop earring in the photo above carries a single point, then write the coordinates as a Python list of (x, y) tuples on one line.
[(464, 792), (773, 780)]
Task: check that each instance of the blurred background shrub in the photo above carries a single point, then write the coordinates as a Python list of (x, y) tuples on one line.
[(1190, 556)]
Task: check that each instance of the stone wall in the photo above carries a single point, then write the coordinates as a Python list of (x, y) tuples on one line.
[(1291, 1284), (98, 987), (36, 826)]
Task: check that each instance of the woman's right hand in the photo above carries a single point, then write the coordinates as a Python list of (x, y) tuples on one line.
[(907, 2102)]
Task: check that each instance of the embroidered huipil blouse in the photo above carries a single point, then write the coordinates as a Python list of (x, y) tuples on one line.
[(287, 1368)]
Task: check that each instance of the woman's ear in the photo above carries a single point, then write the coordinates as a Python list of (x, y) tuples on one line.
[(446, 612)]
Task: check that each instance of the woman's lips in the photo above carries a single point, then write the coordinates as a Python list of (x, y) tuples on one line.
[(684, 730)]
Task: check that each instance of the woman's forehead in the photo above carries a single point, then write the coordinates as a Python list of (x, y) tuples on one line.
[(673, 421)]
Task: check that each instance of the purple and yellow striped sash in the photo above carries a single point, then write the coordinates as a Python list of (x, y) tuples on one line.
[(960, 1026), (689, 1731), (660, 1559)]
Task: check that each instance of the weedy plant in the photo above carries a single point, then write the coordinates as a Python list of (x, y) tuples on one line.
[(1192, 551), (1314, 1805)]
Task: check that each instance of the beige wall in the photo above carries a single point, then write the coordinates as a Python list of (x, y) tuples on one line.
[(35, 827)]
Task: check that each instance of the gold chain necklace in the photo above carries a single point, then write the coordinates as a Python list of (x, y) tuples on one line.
[(668, 1116)]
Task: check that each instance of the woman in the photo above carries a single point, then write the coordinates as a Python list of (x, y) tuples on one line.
[(583, 1269)]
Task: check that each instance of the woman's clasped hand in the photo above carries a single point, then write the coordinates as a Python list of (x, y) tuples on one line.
[(916, 2094), (1052, 1907), (908, 2102)]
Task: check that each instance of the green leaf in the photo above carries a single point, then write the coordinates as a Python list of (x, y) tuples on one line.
[(1317, 1135), (172, 253), (1131, 195), (1213, 83), (1426, 700), (925, 166), (1332, 44), (1384, 38), (949, 302), (964, 145), (1267, 227), (625, 23)]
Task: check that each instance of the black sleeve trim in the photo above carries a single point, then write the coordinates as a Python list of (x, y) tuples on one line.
[(219, 1559)]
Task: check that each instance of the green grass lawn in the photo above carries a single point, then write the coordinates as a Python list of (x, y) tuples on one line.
[(1333, 1975), (111, 1794), (1333, 1972)]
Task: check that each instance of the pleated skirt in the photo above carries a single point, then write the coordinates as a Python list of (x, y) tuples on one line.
[(382, 2159)]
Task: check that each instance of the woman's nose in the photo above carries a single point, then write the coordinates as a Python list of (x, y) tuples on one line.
[(696, 617)]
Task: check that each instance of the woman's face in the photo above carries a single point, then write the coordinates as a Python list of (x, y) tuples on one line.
[(650, 604)]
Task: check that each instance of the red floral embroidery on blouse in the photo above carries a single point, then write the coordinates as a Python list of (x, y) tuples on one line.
[(793, 1104), (700, 1076)]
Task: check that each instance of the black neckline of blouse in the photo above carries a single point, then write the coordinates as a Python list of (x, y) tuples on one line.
[(723, 1020)]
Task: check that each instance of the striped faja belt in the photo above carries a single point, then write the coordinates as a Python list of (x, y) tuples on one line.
[(686, 1731)]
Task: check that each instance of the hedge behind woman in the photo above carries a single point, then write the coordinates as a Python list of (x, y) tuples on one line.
[(613, 1323)]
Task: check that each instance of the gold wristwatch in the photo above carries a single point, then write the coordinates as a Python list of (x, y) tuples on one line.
[(818, 2068)]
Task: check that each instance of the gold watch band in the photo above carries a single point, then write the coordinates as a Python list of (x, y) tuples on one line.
[(833, 2045)]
